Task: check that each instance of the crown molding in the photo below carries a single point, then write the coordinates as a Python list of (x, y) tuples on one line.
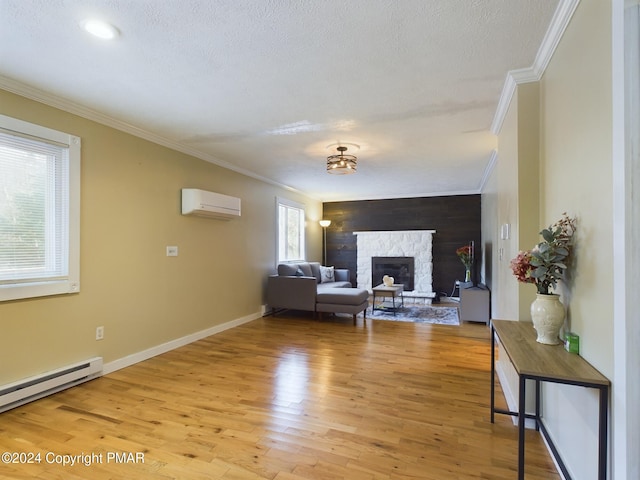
[(493, 158), (561, 18), (508, 89), (559, 23), (66, 105), (355, 198)]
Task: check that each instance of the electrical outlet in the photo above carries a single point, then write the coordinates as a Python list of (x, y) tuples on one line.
[(99, 333)]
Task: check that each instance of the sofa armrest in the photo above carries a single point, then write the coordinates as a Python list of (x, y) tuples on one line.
[(295, 293), (342, 275)]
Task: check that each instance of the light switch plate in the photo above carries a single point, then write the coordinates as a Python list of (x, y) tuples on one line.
[(505, 231)]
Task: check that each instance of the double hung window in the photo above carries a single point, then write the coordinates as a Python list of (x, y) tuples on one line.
[(291, 223), (39, 211)]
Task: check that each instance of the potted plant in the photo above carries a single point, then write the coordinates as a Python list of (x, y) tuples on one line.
[(544, 266)]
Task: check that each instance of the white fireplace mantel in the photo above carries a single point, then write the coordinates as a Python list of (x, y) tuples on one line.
[(399, 243)]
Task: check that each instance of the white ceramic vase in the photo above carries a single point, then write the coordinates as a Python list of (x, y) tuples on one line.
[(547, 313), (388, 281)]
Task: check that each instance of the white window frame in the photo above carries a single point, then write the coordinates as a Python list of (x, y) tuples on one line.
[(290, 204), (69, 280)]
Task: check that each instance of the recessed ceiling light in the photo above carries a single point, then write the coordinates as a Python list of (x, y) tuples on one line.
[(100, 29)]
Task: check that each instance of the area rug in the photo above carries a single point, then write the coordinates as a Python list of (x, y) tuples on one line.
[(419, 314)]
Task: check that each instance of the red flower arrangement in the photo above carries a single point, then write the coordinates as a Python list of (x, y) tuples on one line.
[(465, 254), (522, 268), (546, 263)]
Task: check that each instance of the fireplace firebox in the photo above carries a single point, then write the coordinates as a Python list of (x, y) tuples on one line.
[(400, 268)]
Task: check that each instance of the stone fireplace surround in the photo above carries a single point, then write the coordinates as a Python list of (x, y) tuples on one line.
[(401, 243)]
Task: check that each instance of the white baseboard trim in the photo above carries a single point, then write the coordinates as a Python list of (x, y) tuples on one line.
[(173, 344), (555, 462), (512, 400), (512, 404)]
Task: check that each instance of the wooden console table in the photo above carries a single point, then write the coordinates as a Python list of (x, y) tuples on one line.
[(546, 363)]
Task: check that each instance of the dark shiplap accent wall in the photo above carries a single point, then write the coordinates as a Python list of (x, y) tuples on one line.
[(455, 218)]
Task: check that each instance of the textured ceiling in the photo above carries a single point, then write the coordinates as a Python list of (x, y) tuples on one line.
[(265, 86)]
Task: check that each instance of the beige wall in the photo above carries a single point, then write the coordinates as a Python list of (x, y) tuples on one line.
[(513, 193), (576, 177), (490, 239), (576, 166), (555, 156), (506, 173), (528, 181), (130, 212), (516, 199)]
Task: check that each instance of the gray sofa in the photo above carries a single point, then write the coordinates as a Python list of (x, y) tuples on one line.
[(300, 286)]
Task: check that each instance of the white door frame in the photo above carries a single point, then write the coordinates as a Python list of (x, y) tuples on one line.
[(626, 238)]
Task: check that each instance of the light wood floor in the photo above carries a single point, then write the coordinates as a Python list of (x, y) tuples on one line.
[(287, 398)]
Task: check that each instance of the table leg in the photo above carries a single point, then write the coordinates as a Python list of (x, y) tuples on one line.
[(493, 374), (521, 421), (602, 442), (373, 303), (537, 405)]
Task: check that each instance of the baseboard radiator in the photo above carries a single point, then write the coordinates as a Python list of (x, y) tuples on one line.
[(29, 389)]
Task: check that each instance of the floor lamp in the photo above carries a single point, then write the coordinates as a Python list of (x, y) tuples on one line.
[(324, 224)]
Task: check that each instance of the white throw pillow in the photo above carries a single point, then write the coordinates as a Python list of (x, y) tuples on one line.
[(327, 275)]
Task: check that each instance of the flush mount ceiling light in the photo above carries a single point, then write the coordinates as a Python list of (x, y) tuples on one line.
[(342, 164), (100, 29)]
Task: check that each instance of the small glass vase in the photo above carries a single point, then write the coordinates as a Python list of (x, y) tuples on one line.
[(467, 275)]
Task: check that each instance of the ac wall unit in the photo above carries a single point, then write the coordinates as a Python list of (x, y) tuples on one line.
[(209, 204)]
